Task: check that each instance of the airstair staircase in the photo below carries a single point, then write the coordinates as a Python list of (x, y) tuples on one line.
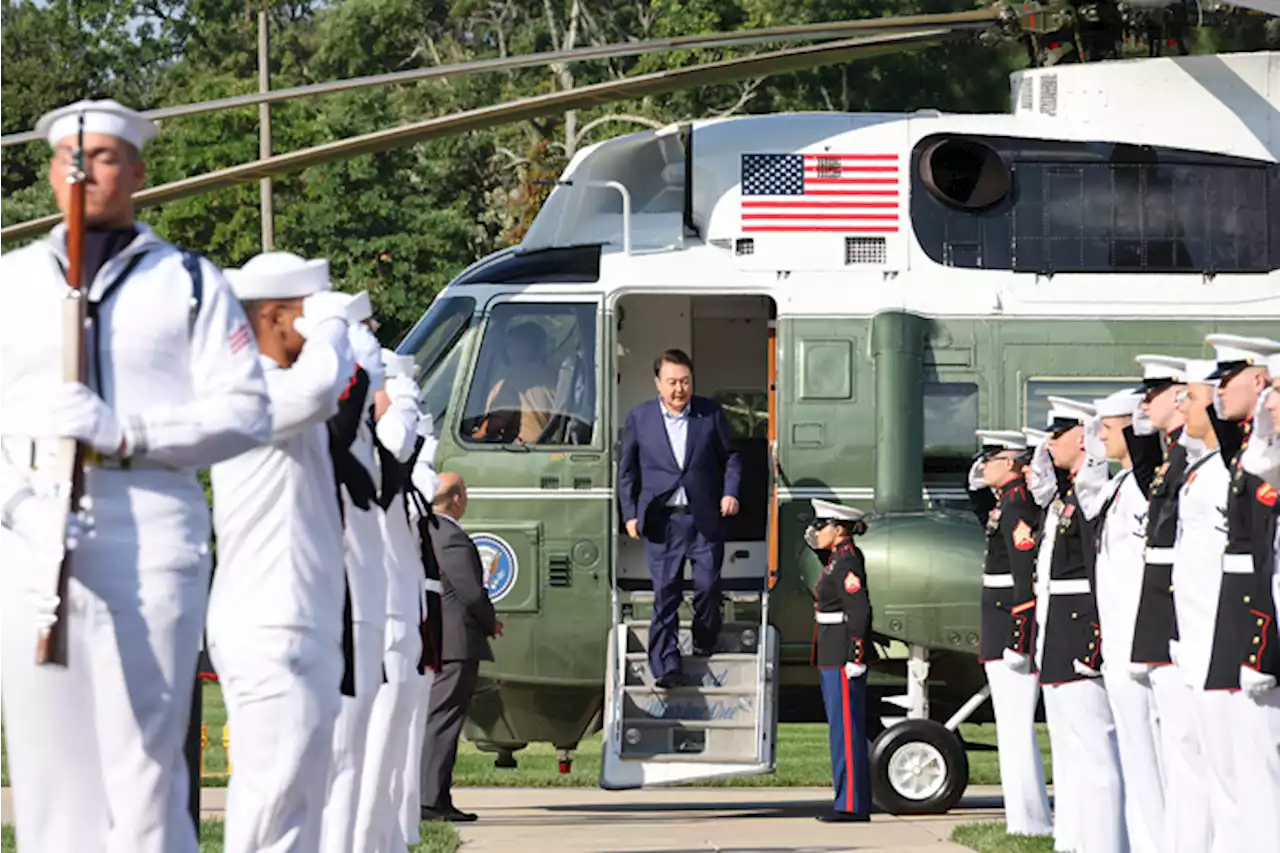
[(723, 724)]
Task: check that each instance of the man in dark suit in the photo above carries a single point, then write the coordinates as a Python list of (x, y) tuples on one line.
[(678, 478), (469, 622)]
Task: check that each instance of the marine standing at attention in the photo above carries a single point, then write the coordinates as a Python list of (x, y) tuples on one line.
[(841, 651), (174, 385), (999, 494), (275, 611)]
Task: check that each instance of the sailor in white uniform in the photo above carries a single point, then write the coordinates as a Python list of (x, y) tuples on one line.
[(95, 749), (378, 827), (1089, 809), (351, 434), (1119, 516), (275, 611), (422, 487), (1209, 815)]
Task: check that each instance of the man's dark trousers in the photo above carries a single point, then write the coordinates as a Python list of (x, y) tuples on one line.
[(450, 699), (670, 539)]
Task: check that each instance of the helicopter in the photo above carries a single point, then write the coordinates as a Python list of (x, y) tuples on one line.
[(860, 292)]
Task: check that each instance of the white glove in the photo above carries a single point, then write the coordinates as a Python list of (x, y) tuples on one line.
[(36, 519), (76, 412), (323, 318), (368, 354), (1081, 669), (403, 390), (1017, 661), (1141, 672), (1093, 445), (1263, 424), (1254, 684), (976, 480), (854, 670), (1041, 479), (1142, 424)]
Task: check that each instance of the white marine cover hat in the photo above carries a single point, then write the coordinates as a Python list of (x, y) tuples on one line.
[(279, 275), (1121, 404), (108, 117), (1065, 413), (835, 512)]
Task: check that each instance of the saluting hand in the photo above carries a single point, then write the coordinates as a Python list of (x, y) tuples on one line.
[(728, 506)]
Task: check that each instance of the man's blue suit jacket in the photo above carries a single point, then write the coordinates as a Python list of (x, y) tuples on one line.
[(648, 474)]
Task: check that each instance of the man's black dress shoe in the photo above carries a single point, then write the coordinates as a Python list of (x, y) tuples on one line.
[(844, 817), (666, 682), (450, 814)]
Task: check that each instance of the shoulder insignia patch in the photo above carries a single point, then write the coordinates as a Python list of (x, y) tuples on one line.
[(852, 583), (1266, 494), (1024, 538)]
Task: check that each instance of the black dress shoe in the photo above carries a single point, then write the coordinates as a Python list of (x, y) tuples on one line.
[(450, 814), (703, 651), (666, 682), (844, 817)]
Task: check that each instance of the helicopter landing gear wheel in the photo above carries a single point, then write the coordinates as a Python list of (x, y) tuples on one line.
[(918, 767)]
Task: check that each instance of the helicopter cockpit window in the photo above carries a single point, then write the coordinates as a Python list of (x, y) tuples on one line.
[(534, 382), (436, 347)]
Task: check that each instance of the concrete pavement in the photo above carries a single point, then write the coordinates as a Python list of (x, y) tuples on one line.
[(680, 820)]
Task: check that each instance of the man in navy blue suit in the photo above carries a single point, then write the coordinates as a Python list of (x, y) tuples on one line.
[(678, 478)]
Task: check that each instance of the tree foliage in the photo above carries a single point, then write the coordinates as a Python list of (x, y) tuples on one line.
[(402, 223)]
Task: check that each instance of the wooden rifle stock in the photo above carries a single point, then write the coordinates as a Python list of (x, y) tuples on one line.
[(51, 648)]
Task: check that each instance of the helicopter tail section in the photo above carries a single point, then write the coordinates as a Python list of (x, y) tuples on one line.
[(722, 724)]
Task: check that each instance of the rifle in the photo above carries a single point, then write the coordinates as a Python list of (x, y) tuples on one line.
[(51, 648)]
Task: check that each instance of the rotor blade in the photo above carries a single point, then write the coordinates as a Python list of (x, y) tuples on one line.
[(656, 83), (976, 19)]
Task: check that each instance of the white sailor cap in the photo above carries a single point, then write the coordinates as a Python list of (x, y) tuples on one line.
[(360, 308), (1065, 413), (1273, 366), (399, 365), (823, 510), (1234, 353), (1035, 437), (1161, 371), (108, 117), (1121, 404), (1199, 371), (1001, 439), (279, 275)]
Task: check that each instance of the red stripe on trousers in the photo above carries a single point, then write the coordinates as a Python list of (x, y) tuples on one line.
[(848, 741)]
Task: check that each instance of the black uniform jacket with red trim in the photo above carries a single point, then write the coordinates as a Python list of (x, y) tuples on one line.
[(1156, 623), (842, 589), (1072, 630), (1008, 592), (1245, 628)]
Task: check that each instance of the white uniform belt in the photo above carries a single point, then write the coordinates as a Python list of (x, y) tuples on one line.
[(829, 618), (1076, 586), (433, 586), (1160, 556), (1237, 564), (997, 581)]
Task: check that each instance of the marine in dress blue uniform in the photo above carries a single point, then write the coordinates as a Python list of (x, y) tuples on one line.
[(841, 651)]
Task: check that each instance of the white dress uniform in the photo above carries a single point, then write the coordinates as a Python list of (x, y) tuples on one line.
[(275, 611), (1068, 654), (425, 480), (367, 582), (1208, 815), (95, 749), (378, 827), (1121, 519)]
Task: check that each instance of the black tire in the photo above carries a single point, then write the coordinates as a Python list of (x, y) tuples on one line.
[(935, 745)]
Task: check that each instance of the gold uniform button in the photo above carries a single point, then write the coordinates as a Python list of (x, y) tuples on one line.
[(1097, 633), (1091, 645), (1260, 623), (1256, 640), (1171, 588), (1075, 615), (1248, 599), (1253, 658)]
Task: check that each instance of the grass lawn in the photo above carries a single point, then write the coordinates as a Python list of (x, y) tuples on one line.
[(991, 838), (803, 759), (436, 838)]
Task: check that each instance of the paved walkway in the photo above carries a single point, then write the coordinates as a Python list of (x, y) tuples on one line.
[(681, 820)]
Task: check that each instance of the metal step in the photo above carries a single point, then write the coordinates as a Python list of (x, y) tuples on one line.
[(735, 637), (721, 670), (732, 741), (645, 596)]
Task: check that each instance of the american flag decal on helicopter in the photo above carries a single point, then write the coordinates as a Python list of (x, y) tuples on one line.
[(851, 193)]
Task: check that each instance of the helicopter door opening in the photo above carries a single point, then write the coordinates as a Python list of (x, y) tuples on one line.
[(719, 719), (728, 338)]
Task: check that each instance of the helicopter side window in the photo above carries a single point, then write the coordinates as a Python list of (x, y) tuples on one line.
[(534, 382), (436, 345)]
